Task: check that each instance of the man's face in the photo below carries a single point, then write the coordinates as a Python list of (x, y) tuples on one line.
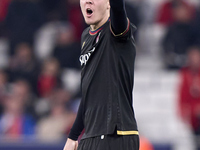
[(95, 11)]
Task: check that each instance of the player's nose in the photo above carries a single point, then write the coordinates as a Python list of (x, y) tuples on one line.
[(89, 1)]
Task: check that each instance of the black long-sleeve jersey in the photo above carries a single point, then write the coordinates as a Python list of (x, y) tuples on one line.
[(107, 62)]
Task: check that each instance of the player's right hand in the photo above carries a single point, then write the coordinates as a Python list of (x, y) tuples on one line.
[(71, 145)]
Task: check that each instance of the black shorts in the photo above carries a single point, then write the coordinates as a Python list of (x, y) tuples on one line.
[(110, 142)]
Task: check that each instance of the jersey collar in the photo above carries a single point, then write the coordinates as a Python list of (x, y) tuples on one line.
[(99, 29)]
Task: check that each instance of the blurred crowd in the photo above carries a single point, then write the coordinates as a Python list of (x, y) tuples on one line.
[(40, 71), (39, 60)]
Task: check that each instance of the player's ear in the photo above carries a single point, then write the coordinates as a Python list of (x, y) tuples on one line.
[(108, 6)]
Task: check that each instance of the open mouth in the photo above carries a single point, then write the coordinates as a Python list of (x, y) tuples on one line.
[(89, 11)]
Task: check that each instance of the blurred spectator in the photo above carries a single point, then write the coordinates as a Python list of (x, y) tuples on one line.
[(166, 12), (3, 88), (47, 36), (196, 26), (189, 96), (54, 9), (48, 78), (55, 126), (75, 17), (21, 89), (132, 13), (178, 38), (23, 19), (146, 11), (4, 9), (4, 4), (23, 65), (67, 50), (145, 144), (15, 122), (45, 39)]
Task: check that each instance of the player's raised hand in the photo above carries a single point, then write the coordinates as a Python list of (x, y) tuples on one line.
[(71, 145)]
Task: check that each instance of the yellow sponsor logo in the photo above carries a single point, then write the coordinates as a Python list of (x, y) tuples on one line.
[(83, 45)]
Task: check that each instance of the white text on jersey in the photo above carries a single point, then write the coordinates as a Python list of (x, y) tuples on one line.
[(85, 57)]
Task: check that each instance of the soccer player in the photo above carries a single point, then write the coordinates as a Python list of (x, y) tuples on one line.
[(107, 60)]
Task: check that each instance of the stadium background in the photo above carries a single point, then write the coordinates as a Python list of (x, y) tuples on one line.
[(40, 72)]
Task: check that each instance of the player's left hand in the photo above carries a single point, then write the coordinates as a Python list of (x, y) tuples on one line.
[(71, 145)]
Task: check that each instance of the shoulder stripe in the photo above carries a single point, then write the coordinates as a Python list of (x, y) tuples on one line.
[(123, 33)]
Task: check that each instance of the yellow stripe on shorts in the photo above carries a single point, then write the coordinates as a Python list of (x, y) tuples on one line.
[(127, 132)]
